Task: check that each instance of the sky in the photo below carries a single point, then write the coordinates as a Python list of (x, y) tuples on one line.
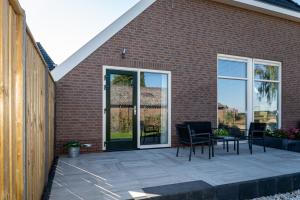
[(63, 26)]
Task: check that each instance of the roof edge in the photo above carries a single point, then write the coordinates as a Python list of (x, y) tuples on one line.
[(265, 8), (91, 46)]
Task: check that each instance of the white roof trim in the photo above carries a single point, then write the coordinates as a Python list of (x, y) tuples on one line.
[(264, 8), (71, 62)]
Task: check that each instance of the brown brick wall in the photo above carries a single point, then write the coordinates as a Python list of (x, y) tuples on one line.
[(184, 39)]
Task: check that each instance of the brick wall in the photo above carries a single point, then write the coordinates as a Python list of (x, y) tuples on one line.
[(184, 39)]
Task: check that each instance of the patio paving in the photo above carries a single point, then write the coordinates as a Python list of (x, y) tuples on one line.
[(130, 174)]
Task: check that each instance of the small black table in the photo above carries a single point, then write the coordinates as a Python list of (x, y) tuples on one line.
[(227, 139)]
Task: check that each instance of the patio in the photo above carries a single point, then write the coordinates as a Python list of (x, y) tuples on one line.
[(137, 174)]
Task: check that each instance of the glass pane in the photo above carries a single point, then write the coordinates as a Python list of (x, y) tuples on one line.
[(265, 72), (232, 106), (266, 103), (232, 68), (154, 108), (121, 110)]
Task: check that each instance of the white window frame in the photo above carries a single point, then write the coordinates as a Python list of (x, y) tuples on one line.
[(250, 82), (138, 71)]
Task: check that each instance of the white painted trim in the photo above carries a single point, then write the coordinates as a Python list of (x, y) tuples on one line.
[(250, 82), (71, 62), (232, 58), (250, 113), (138, 71), (103, 108), (264, 8), (233, 78)]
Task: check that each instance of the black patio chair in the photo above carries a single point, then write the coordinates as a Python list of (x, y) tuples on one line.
[(186, 138), (203, 133), (257, 132)]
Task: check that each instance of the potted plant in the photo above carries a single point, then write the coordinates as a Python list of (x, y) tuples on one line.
[(73, 148), (221, 132)]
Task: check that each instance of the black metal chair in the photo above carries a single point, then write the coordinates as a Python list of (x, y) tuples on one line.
[(257, 132), (202, 132), (149, 130), (187, 138)]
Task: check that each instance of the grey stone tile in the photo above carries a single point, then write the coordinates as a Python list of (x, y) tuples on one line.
[(121, 175)]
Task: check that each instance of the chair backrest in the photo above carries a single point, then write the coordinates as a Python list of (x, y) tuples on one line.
[(256, 126), (199, 127), (183, 133)]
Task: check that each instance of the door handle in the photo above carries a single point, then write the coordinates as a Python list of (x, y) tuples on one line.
[(134, 110)]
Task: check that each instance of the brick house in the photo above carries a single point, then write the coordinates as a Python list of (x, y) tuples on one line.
[(191, 55)]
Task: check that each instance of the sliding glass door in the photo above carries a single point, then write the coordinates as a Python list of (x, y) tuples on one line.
[(137, 109)]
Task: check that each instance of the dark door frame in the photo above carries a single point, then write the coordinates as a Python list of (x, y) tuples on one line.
[(121, 145)]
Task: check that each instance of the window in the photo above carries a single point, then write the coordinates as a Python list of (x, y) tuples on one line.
[(232, 82), (266, 94), (153, 108), (248, 90)]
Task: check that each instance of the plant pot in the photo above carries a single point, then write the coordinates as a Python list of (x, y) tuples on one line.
[(274, 142), (74, 152)]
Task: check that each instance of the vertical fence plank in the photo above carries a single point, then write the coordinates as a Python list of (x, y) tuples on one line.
[(26, 118)]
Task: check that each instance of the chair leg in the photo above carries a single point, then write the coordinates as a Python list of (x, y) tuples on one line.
[(238, 147), (194, 150), (177, 151), (251, 149), (264, 144), (191, 148), (249, 143), (202, 149), (144, 138), (234, 145), (213, 148), (209, 150), (227, 146)]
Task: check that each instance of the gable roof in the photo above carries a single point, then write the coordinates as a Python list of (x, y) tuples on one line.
[(280, 8), (289, 4), (50, 64)]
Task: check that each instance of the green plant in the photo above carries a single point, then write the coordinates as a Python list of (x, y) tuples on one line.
[(73, 143), (222, 132)]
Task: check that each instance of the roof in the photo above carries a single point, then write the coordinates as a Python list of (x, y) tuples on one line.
[(51, 65), (289, 4), (280, 8)]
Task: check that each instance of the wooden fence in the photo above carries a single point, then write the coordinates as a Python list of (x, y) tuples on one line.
[(27, 94)]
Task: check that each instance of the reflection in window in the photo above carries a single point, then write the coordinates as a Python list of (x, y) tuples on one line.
[(234, 85), (154, 108), (265, 103), (232, 68), (232, 103), (265, 72), (121, 107)]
